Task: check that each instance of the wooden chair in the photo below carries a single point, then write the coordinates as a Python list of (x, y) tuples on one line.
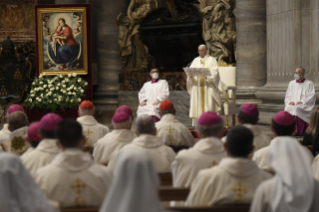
[(166, 179), (221, 208), (173, 194)]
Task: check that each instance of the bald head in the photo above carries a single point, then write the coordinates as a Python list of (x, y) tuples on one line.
[(301, 72), (144, 124), (17, 120), (202, 50)]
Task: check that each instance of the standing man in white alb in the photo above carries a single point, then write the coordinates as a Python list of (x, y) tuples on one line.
[(300, 100), (208, 93), (151, 95)]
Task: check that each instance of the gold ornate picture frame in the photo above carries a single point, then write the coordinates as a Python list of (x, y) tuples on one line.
[(62, 39)]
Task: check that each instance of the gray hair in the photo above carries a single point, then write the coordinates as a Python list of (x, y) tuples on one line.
[(303, 71), (144, 124), (164, 112), (203, 45), (17, 120), (86, 112), (123, 125), (211, 130)]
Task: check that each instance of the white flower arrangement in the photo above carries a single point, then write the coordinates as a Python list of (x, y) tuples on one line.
[(53, 92)]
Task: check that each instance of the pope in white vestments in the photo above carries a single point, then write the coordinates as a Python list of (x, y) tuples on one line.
[(300, 101), (161, 155), (73, 179), (234, 180), (207, 96), (47, 148), (170, 129), (92, 130), (151, 94), (111, 143), (293, 188)]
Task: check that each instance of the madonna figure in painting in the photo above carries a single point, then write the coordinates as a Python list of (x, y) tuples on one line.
[(63, 50)]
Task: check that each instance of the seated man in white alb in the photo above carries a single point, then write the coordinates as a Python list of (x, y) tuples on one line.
[(18, 125), (162, 155), (300, 100), (72, 178), (283, 126), (209, 95), (92, 130), (128, 110), (33, 138), (293, 188), (47, 148), (248, 116), (5, 132), (112, 142), (236, 177), (151, 95), (170, 129)]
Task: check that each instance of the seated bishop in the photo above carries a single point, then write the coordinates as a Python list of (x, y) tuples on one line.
[(206, 153), (5, 132), (18, 125), (300, 100), (170, 129), (92, 130), (162, 155), (151, 95), (33, 138), (293, 188), (72, 178), (47, 149), (236, 177), (111, 143), (282, 125), (128, 110), (207, 96)]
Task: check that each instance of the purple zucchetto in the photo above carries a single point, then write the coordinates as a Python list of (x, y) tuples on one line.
[(33, 130), (50, 121), (126, 109), (249, 109), (284, 118), (208, 118), (120, 117), (14, 108)]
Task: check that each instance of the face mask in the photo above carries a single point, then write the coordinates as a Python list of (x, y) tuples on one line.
[(155, 76), (297, 77)]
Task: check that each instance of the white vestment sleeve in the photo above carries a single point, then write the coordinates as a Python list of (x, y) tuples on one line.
[(165, 92), (309, 99), (288, 97), (259, 203), (142, 95), (214, 71), (189, 83)]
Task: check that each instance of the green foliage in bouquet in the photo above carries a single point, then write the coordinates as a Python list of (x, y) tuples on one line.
[(52, 92)]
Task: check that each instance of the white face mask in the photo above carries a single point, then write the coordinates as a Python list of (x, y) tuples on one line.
[(297, 77), (155, 76)]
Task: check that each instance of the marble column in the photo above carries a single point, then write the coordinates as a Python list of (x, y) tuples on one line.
[(251, 47), (292, 41)]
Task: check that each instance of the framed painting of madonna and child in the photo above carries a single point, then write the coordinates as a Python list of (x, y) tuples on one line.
[(62, 43)]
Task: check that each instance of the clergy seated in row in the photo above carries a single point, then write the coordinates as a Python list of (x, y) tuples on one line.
[(211, 95), (151, 94), (111, 143), (47, 148), (282, 125), (248, 116), (170, 129), (311, 138), (33, 139), (236, 177), (72, 178), (162, 155), (92, 130), (135, 187), (22, 193), (128, 110), (300, 100), (5, 132), (18, 125), (293, 188)]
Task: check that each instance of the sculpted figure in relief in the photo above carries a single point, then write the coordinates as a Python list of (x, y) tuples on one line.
[(134, 54), (219, 28)]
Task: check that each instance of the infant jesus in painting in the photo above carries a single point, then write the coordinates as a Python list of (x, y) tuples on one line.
[(61, 42)]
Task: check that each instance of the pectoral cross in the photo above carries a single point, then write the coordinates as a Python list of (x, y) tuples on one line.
[(78, 186), (170, 129), (202, 62), (239, 191)]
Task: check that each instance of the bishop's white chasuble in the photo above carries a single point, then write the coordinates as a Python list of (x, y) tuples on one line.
[(4, 133), (233, 181), (74, 180), (173, 132), (16, 142), (209, 94), (92, 130)]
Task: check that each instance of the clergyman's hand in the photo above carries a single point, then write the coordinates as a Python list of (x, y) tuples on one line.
[(299, 103), (143, 103), (291, 103), (156, 102)]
